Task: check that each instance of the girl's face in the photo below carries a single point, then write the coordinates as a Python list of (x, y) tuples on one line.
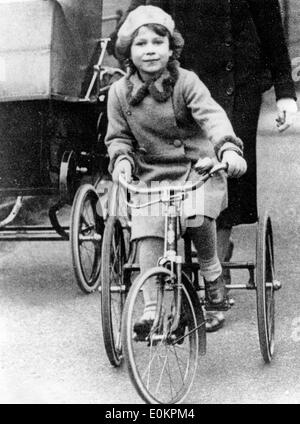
[(150, 52)]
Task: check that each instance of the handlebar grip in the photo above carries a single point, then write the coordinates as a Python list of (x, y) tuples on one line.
[(219, 167)]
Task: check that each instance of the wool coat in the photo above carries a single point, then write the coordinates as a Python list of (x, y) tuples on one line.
[(238, 49), (164, 139), (229, 43)]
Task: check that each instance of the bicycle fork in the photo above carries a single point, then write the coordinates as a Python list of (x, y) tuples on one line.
[(175, 262)]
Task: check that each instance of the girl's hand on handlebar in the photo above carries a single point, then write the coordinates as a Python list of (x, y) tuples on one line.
[(204, 165), (123, 167), (237, 166)]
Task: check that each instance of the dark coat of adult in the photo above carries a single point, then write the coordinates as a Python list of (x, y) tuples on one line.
[(238, 49)]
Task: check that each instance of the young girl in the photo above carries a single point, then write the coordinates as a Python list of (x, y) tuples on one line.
[(162, 124)]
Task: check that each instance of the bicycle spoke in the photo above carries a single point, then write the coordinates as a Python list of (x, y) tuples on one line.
[(116, 280), (164, 371), (88, 257), (89, 211), (90, 250), (83, 222), (148, 375), (116, 308), (170, 378), (151, 361), (161, 374), (178, 361), (271, 259)]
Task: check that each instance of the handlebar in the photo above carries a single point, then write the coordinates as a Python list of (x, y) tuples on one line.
[(174, 188)]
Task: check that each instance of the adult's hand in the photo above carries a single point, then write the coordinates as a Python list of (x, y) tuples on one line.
[(286, 109)]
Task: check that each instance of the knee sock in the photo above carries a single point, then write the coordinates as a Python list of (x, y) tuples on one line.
[(211, 269), (205, 242)]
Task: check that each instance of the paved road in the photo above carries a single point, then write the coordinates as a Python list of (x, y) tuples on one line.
[(50, 334)]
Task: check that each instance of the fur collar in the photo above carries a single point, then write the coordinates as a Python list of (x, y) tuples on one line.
[(160, 88)]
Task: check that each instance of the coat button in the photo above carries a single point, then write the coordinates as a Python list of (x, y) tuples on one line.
[(227, 25), (177, 143), (229, 66), (142, 151), (228, 42), (229, 91)]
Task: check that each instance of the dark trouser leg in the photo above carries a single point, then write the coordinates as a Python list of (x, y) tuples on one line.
[(242, 202), (242, 198)]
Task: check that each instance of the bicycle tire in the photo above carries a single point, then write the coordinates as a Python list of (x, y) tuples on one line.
[(265, 277), (113, 259), (191, 342), (86, 231)]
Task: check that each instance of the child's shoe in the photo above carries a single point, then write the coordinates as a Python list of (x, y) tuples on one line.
[(142, 328), (214, 320), (215, 291)]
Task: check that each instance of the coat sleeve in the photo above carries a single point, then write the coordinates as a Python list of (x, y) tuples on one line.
[(267, 18), (210, 116), (119, 139)]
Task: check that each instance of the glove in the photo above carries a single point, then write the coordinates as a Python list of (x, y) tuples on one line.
[(122, 167), (204, 165), (237, 166), (286, 110)]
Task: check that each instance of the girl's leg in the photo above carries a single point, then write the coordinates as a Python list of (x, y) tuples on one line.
[(205, 242), (150, 249)]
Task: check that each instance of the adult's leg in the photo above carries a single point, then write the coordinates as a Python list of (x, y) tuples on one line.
[(242, 198)]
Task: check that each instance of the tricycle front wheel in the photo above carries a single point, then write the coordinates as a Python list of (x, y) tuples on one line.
[(162, 366)]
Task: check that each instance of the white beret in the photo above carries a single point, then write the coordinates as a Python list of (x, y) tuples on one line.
[(142, 15)]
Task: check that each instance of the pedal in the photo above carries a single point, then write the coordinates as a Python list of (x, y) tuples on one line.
[(140, 338), (151, 335), (277, 285)]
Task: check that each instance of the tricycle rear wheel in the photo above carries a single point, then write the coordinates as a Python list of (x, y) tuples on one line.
[(265, 289), (113, 289), (86, 232)]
